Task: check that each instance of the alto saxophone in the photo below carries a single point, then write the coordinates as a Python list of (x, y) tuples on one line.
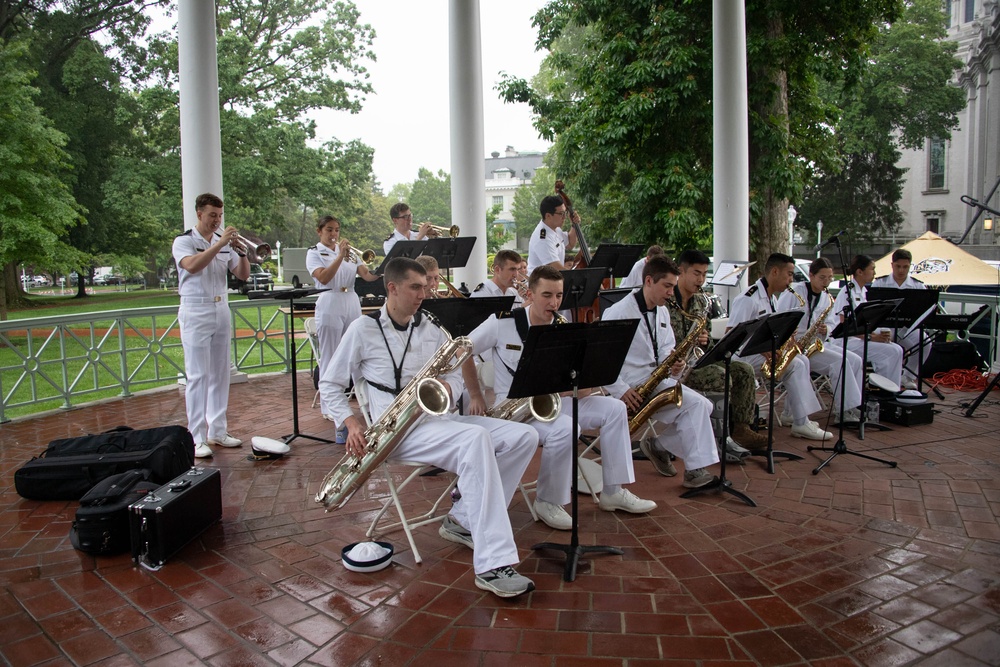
[(423, 395), (786, 353), (544, 407), (812, 342), (671, 395)]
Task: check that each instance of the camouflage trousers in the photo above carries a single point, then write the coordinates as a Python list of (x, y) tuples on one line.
[(742, 387)]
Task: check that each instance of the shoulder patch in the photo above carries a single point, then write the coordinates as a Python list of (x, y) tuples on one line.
[(187, 233), (479, 287), (916, 280), (541, 234), (313, 247), (389, 236), (751, 291)]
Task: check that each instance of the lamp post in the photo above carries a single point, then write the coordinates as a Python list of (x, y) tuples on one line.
[(819, 235), (792, 214), (281, 278)]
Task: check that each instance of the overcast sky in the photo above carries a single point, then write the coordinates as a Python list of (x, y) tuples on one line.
[(406, 119)]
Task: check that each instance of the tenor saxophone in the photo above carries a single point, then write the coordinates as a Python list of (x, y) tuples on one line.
[(812, 342), (423, 395), (785, 354)]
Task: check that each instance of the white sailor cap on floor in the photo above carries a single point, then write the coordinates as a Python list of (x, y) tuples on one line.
[(267, 449), (367, 556)]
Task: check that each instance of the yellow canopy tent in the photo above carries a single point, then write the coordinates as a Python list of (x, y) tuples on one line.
[(938, 262)]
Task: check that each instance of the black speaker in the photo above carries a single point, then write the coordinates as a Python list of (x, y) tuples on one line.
[(944, 357)]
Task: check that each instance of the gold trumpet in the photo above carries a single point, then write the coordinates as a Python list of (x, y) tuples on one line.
[(437, 230), (360, 256), (256, 252)]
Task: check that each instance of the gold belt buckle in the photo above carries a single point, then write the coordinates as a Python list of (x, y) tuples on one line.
[(345, 289), (218, 298)]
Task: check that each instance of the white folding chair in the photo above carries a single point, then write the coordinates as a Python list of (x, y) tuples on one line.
[(309, 326), (396, 488)]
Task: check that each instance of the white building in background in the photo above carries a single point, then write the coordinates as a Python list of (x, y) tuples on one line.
[(504, 175), (968, 163)]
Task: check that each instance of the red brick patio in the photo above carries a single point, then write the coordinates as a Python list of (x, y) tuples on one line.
[(862, 564)]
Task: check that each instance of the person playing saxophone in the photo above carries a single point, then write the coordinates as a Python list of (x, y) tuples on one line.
[(818, 322), (387, 348), (502, 338), (684, 430)]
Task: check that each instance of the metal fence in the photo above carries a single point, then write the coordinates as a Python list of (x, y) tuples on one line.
[(63, 361)]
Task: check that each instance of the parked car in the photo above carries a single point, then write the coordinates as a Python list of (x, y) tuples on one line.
[(260, 279), (40, 281)]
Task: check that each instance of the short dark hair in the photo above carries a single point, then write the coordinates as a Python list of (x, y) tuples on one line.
[(325, 219), (819, 264), (543, 272), (653, 251), (902, 253), (692, 257), (398, 209), (207, 199), (860, 263), (777, 260), (658, 267), (549, 205), (398, 267), (506, 255)]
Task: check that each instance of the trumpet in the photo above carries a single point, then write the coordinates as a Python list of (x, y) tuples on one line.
[(256, 252), (437, 230), (360, 256)]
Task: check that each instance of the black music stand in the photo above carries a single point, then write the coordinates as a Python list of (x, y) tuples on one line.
[(461, 316), (616, 258), (723, 351), (580, 287), (408, 249), (566, 357), (609, 297), (450, 253), (364, 288), (867, 314), (916, 306), (291, 295), (769, 335)]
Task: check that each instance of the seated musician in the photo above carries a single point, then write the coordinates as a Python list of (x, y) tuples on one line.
[(634, 277), (817, 304), (685, 431), (900, 278), (549, 243), (502, 338), (387, 348), (688, 303), (886, 357), (762, 299), (433, 276), (506, 264)]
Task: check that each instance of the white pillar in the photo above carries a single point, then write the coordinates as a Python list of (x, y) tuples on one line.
[(730, 151), (201, 142), (465, 103)]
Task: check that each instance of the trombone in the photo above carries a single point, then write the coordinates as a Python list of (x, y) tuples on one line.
[(437, 230), (256, 252)]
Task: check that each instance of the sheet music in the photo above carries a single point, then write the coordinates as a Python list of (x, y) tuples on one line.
[(728, 272)]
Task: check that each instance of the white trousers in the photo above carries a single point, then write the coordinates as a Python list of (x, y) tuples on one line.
[(334, 312), (490, 457), (886, 358), (800, 396), (686, 432), (555, 471), (206, 330), (828, 363)]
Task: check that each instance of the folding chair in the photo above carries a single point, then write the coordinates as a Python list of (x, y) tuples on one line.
[(407, 523), (309, 325)]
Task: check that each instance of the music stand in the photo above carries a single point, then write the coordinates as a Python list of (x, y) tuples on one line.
[(617, 258), (291, 295), (917, 305), (375, 288), (723, 351), (873, 311), (770, 334), (580, 287), (461, 316), (450, 253), (609, 297), (408, 249), (565, 357)]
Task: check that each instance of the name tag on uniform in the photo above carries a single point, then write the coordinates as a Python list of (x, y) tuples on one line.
[(324, 254), (762, 311), (663, 325), (512, 346)]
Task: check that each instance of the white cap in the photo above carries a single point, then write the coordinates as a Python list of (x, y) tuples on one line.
[(367, 556)]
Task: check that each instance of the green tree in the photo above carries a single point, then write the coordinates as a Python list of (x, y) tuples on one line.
[(430, 198), (527, 198)]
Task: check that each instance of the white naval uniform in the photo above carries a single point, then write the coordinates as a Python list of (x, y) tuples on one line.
[(396, 236), (800, 399), (827, 362), (335, 309), (634, 277), (905, 338), (546, 245), (206, 329), (490, 288), (489, 455), (886, 358), (499, 339), (686, 431)]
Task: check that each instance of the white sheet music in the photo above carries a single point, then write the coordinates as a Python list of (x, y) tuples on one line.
[(728, 272)]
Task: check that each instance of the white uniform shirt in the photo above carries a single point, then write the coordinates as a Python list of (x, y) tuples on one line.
[(813, 307), (752, 304), (634, 277), (859, 295), (547, 245), (497, 340), (319, 257), (490, 288), (654, 332), (396, 236), (363, 351), (210, 281), (889, 281)]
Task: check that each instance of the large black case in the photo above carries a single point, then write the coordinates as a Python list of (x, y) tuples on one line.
[(101, 523), (174, 514)]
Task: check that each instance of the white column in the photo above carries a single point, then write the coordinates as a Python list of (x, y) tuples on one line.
[(201, 143), (730, 152), (971, 145), (465, 103)]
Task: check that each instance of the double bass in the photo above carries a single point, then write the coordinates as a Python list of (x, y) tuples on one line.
[(582, 259)]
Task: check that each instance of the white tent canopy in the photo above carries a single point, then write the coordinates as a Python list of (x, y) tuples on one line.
[(937, 262)]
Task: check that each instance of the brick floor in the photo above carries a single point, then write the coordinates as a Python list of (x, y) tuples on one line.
[(862, 564)]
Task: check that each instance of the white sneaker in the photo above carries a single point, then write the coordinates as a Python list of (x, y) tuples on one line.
[(625, 500), (202, 451), (554, 516), (225, 441), (811, 431), (852, 415), (329, 418)]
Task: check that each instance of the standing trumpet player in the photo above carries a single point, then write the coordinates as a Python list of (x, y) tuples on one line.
[(330, 264), (203, 255), (402, 222)]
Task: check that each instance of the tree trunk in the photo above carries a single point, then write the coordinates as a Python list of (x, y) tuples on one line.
[(11, 291), (81, 281)]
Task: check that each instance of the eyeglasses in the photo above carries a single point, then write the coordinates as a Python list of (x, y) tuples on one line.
[(562, 213), (408, 216)]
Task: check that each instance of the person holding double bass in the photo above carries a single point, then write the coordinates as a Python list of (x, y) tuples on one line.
[(549, 242)]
